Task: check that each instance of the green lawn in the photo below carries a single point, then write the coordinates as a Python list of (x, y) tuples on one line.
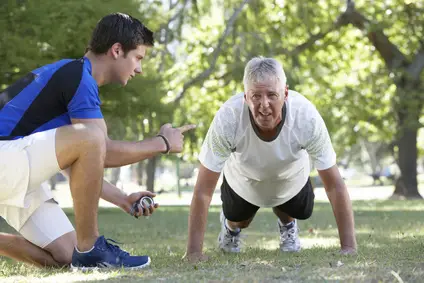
[(390, 237)]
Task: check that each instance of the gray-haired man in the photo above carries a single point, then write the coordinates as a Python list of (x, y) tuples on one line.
[(262, 141)]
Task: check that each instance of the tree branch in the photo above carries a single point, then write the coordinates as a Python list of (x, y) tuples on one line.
[(164, 28), (206, 73), (164, 32), (391, 55), (409, 11), (416, 67), (341, 21), (173, 18)]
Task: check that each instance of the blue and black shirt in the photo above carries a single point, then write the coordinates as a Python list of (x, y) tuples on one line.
[(48, 98)]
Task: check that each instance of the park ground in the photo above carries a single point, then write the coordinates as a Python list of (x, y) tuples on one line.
[(390, 236)]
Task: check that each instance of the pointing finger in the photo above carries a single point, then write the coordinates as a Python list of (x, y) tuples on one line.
[(186, 128)]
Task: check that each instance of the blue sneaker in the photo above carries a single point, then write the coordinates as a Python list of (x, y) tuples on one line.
[(105, 254)]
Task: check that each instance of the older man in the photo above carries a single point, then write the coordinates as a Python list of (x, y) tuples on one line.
[(262, 141)]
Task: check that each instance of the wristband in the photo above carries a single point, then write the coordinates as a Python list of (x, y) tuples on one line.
[(168, 146)]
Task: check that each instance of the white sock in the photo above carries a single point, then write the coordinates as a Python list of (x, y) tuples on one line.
[(291, 223), (229, 227), (85, 251)]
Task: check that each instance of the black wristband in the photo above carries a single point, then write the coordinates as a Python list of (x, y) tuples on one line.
[(168, 146)]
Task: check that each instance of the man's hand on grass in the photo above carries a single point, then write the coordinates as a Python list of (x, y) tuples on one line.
[(195, 257)]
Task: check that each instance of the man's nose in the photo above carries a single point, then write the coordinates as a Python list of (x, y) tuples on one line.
[(265, 101), (138, 70)]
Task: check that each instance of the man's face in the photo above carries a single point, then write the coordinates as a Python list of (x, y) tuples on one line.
[(127, 66), (265, 101)]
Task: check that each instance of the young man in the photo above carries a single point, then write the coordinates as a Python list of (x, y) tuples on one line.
[(262, 142), (50, 120)]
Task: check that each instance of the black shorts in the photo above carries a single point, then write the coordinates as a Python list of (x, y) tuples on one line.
[(237, 209)]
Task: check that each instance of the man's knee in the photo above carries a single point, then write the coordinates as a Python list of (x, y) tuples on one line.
[(78, 140), (62, 248), (307, 213)]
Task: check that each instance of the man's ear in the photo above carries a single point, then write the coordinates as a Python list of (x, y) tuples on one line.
[(286, 92), (116, 50)]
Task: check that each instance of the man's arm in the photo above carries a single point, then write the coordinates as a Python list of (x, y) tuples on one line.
[(342, 207), (112, 194), (202, 196), (116, 196), (120, 153)]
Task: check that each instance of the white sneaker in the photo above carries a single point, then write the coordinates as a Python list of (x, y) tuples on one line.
[(289, 238), (226, 241)]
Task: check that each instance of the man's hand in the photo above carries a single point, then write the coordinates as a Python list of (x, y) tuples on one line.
[(342, 207), (195, 257), (175, 136), (132, 198)]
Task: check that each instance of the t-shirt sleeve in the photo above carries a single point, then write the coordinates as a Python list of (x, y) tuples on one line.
[(219, 140), (316, 140), (86, 102)]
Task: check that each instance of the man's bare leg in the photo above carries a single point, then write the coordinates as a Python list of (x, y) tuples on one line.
[(83, 147), (284, 217), (241, 224), (56, 254), (62, 248), (16, 247)]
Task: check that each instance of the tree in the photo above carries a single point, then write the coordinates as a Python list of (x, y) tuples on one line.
[(325, 54), (408, 102)]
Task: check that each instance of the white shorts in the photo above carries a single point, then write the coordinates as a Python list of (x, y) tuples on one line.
[(46, 224), (27, 162)]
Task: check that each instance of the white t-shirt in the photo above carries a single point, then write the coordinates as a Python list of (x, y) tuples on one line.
[(267, 173)]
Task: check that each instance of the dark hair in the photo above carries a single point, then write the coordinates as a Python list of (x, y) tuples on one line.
[(121, 28)]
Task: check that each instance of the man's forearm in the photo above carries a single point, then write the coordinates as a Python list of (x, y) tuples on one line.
[(197, 223), (342, 208), (112, 194), (121, 153)]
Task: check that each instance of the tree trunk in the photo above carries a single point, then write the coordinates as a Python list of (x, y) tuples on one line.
[(116, 172), (371, 149), (140, 168), (408, 112), (150, 171), (407, 185)]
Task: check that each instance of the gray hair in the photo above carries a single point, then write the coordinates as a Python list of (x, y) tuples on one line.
[(260, 69)]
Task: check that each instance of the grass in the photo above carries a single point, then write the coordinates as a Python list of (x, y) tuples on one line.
[(390, 236)]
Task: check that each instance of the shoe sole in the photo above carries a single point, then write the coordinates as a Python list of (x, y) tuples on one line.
[(97, 268), (290, 251)]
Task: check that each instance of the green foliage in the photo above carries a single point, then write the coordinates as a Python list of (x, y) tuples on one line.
[(341, 72)]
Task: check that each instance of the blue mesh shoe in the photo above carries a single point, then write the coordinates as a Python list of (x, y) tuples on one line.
[(105, 254)]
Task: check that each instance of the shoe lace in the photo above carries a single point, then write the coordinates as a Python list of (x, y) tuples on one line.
[(288, 235), (229, 239), (115, 248)]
